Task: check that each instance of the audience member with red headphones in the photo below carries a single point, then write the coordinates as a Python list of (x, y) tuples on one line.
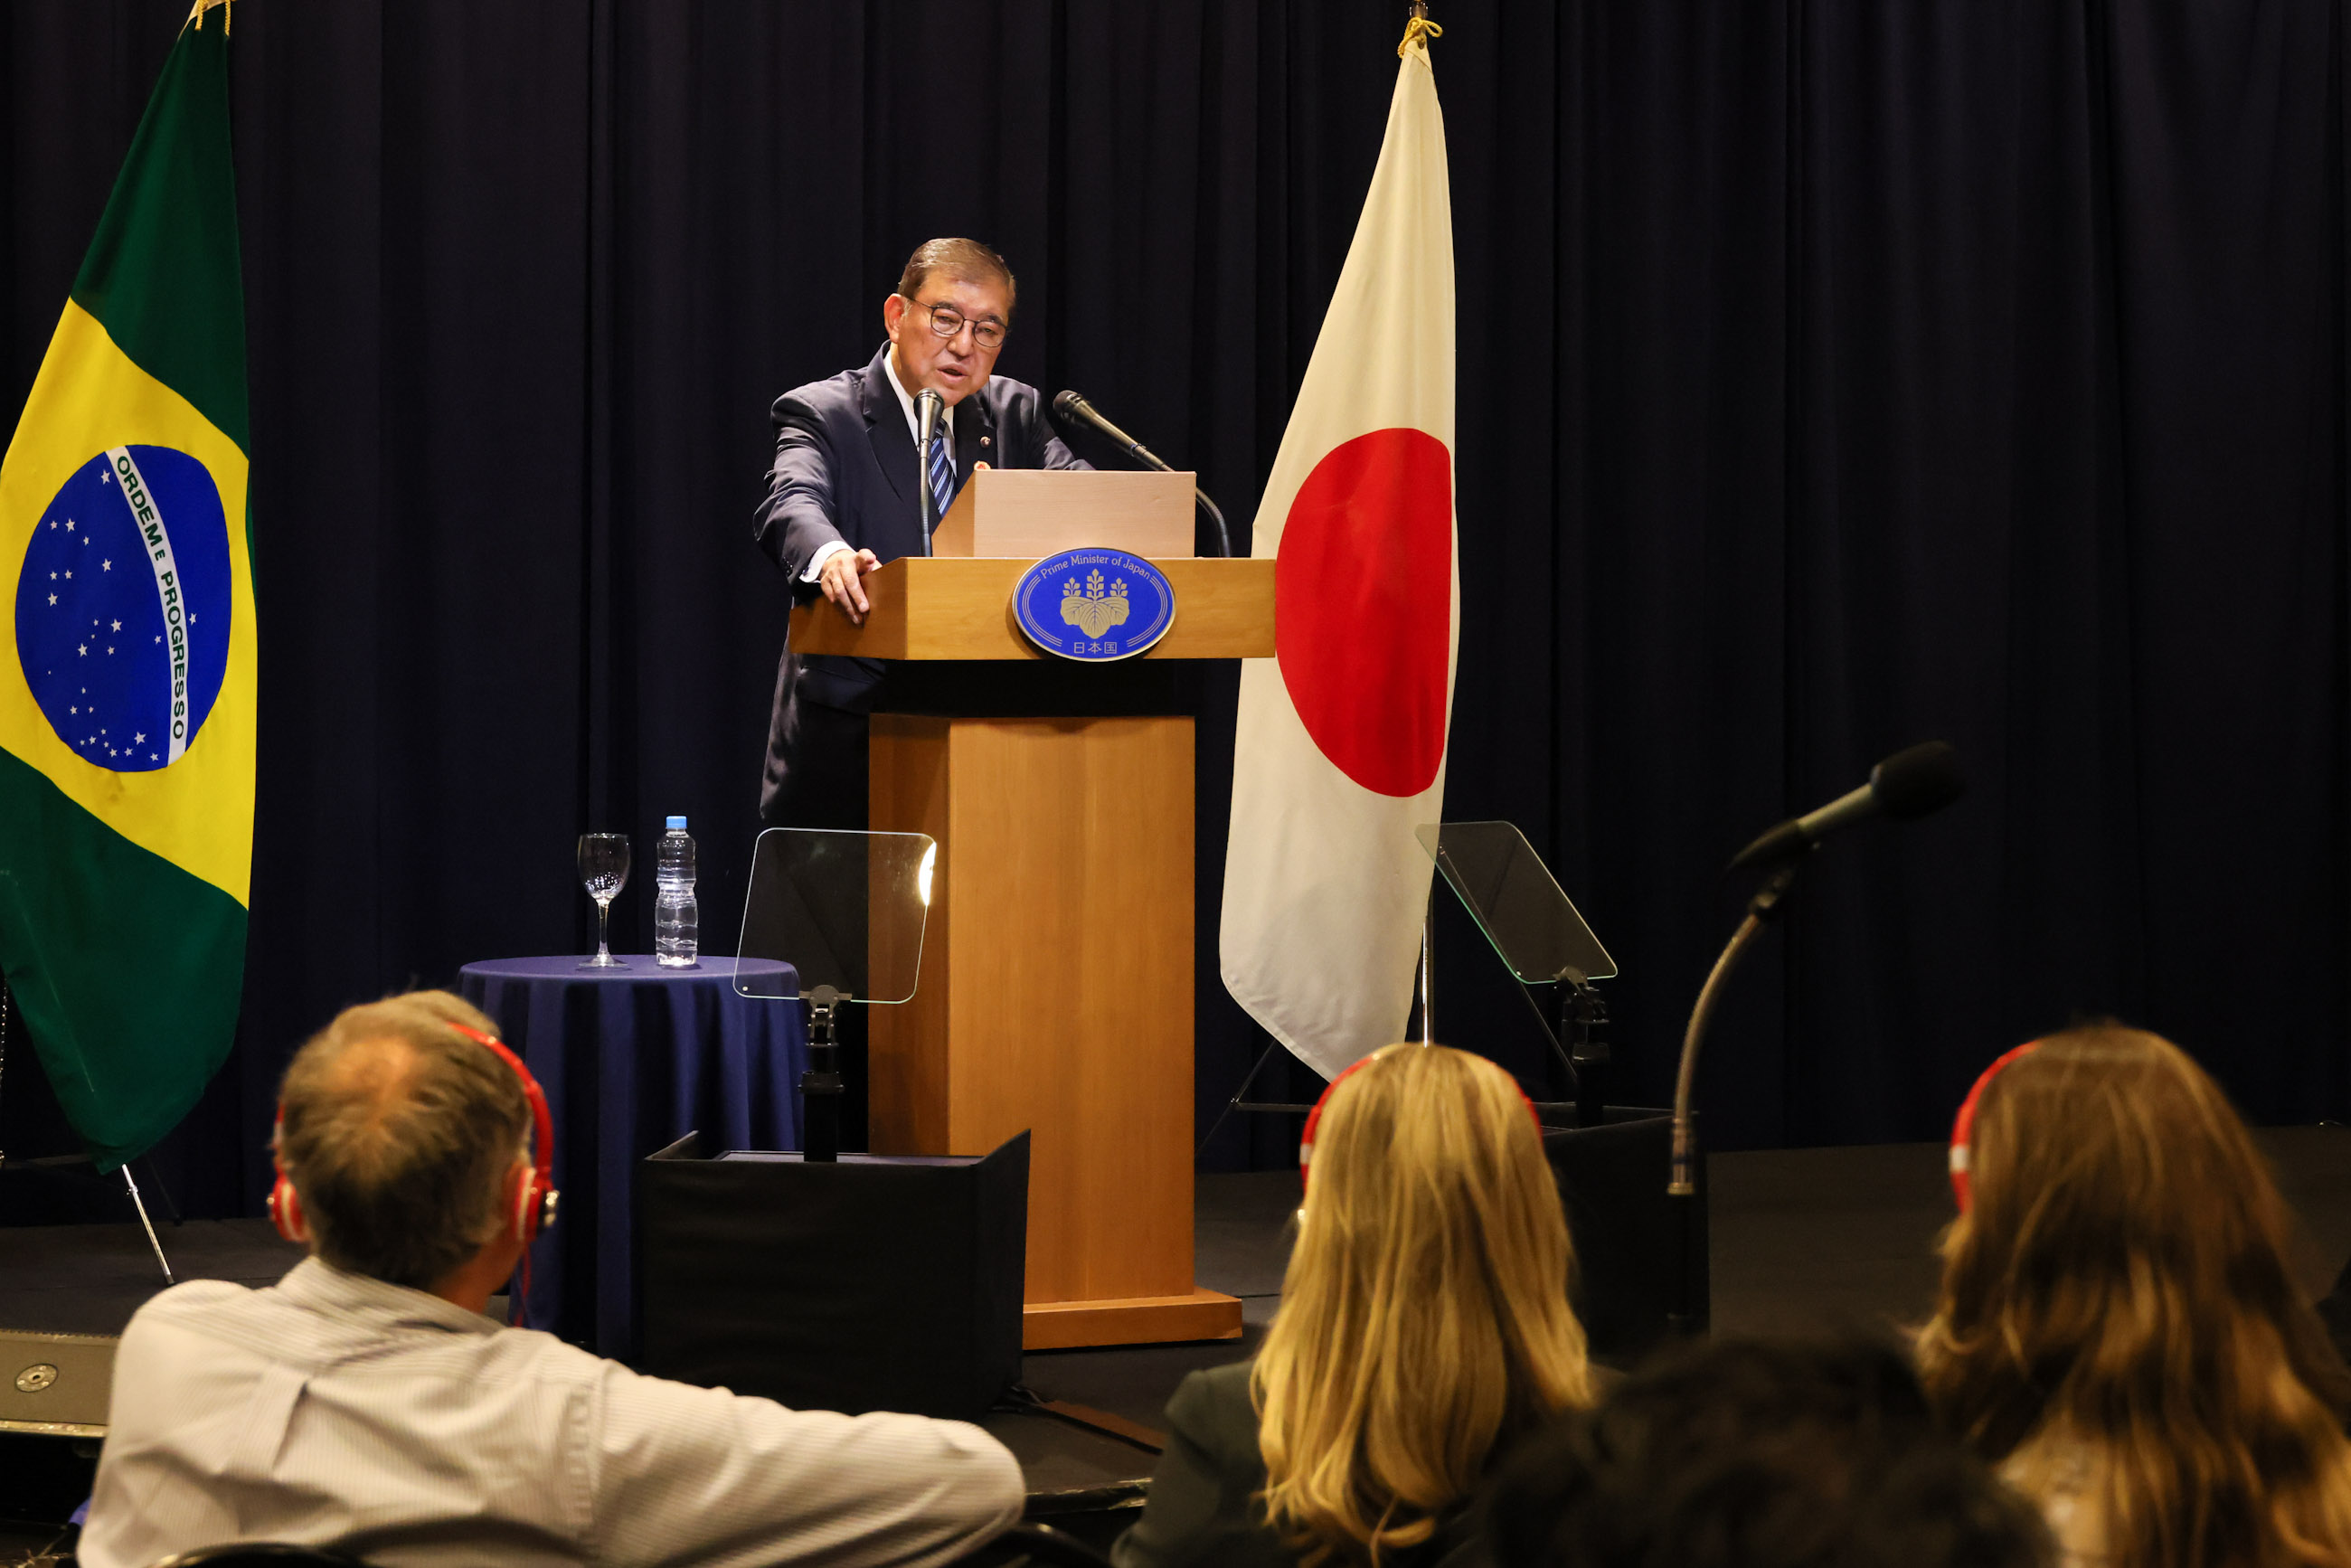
[(1424, 1327), (365, 1402), (2121, 1331), (533, 1195)]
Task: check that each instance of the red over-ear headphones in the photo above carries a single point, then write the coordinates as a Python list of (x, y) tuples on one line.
[(535, 1197), (1315, 1117), (1963, 1126)]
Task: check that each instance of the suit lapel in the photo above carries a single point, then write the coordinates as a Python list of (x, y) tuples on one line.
[(885, 425)]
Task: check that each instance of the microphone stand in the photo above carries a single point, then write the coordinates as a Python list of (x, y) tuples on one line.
[(1224, 535), (1149, 459), (926, 428), (820, 1085), (1688, 1319), (1086, 411), (1583, 1016)]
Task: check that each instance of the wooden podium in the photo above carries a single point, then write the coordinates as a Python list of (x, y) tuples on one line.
[(1056, 990)]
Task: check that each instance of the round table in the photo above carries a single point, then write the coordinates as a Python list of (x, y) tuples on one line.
[(633, 1060)]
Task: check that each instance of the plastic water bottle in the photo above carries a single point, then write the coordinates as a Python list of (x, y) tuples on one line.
[(677, 925)]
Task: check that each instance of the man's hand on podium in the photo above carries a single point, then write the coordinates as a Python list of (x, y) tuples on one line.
[(837, 577)]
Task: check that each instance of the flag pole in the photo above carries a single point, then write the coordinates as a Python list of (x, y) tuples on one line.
[(141, 1205), (1428, 971), (1419, 28)]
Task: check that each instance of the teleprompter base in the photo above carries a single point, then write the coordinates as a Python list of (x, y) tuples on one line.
[(874, 1283), (1612, 1182)]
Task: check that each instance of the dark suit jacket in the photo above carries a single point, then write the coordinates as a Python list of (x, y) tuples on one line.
[(1203, 1509), (845, 469)]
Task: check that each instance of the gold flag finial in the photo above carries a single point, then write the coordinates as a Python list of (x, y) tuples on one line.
[(196, 14), (1418, 29)]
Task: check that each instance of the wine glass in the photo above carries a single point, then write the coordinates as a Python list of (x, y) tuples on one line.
[(603, 870)]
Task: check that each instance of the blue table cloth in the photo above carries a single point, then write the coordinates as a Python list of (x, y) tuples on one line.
[(633, 1060)]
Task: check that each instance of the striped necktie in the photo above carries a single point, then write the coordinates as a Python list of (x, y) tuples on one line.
[(941, 475)]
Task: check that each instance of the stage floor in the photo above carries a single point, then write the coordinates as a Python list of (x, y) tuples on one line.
[(1803, 1240)]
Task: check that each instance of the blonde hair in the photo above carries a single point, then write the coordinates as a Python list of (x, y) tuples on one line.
[(2121, 1288), (399, 1135), (1424, 1318)]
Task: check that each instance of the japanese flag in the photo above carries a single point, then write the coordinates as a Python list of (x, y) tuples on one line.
[(1340, 749)]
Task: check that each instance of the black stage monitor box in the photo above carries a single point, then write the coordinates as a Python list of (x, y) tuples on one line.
[(54, 1391), (880, 1283), (1612, 1182)]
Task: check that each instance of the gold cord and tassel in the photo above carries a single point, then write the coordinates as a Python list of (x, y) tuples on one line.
[(1418, 30), (196, 14)]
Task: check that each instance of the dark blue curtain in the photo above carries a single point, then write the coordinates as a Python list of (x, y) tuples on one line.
[(1832, 375)]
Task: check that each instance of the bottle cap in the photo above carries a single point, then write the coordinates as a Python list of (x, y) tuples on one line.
[(677, 825)]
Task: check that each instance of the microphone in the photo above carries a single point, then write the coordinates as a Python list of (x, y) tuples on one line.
[(1073, 409), (1907, 784), (1911, 783), (928, 408)]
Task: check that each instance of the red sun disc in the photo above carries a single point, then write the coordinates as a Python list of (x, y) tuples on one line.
[(1362, 607)]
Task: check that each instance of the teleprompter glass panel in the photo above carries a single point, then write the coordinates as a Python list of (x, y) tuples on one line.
[(845, 910), (1511, 894)]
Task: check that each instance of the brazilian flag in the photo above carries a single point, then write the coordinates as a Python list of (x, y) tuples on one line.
[(127, 693)]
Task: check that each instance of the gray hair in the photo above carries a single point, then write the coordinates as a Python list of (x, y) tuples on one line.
[(966, 260)]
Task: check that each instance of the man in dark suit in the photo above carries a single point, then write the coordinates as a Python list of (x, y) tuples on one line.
[(843, 500)]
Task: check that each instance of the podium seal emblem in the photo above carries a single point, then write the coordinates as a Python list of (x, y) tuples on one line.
[(1094, 605)]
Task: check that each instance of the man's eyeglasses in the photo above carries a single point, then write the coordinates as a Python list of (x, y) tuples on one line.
[(946, 321)]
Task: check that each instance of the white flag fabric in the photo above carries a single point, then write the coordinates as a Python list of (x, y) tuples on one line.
[(1339, 752)]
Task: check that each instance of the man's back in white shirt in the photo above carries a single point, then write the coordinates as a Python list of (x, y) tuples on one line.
[(338, 1410)]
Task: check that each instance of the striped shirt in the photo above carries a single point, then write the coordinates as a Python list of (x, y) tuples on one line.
[(334, 1409)]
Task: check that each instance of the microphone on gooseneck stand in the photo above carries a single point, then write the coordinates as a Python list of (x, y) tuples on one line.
[(1911, 783), (929, 407), (1075, 409)]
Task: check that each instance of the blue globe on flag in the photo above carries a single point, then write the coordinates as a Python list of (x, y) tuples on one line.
[(122, 609)]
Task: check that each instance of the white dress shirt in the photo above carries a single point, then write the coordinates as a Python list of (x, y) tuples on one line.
[(914, 428), (906, 402), (337, 1410)]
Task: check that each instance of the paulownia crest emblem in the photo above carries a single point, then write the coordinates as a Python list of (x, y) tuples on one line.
[(1094, 609)]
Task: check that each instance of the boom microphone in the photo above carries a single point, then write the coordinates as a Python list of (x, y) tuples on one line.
[(1911, 783), (1074, 408), (1078, 413), (1907, 784)]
